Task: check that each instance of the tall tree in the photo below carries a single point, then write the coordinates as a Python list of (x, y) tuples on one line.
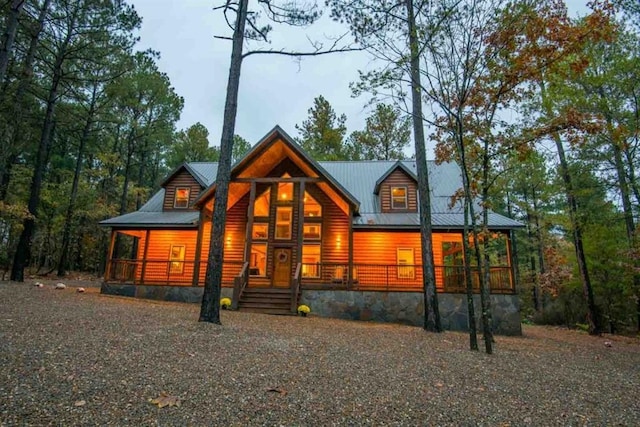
[(385, 136), (390, 32), (71, 25), (240, 147), (288, 13), (191, 145), (322, 134)]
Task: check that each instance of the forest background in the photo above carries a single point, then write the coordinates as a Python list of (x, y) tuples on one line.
[(88, 131)]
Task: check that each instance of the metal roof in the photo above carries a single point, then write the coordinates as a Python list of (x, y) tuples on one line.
[(358, 179)]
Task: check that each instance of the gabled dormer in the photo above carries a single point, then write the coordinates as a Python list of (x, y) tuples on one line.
[(181, 188), (397, 189)]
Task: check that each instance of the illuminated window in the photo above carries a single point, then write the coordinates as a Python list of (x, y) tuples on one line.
[(312, 231), (311, 207), (176, 259), (398, 197), (261, 205), (311, 261), (283, 223), (285, 191), (260, 231), (181, 199), (258, 260), (406, 269)]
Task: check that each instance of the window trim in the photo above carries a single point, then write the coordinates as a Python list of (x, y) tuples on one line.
[(317, 266), (175, 197), (312, 224), (266, 258), (253, 235), (289, 223), (176, 264), (406, 197), (406, 270)]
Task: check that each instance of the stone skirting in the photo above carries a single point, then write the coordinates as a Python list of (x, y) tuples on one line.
[(160, 292), (408, 308), (393, 307)]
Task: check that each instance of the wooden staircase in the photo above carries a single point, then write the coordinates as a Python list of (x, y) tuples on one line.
[(266, 300)]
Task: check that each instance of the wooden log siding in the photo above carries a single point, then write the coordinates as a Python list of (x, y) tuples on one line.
[(398, 178), (233, 243), (335, 224), (381, 248), (182, 179), (157, 260)]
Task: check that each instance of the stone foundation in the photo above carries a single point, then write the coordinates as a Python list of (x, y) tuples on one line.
[(393, 307), (408, 308)]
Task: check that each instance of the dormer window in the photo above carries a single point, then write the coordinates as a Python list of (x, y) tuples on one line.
[(181, 200), (399, 198)]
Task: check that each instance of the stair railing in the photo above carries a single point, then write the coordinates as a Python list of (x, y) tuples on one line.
[(239, 284), (295, 288)]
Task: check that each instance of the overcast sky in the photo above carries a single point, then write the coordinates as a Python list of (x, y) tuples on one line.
[(273, 89)]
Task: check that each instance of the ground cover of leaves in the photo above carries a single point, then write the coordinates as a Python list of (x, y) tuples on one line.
[(69, 358)]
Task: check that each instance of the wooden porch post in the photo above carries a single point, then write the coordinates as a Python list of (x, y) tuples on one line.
[(510, 253), (350, 247), (198, 255), (249, 233), (112, 244), (300, 221), (144, 256)]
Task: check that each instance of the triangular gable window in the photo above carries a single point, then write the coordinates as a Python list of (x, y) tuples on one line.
[(261, 205), (311, 207)]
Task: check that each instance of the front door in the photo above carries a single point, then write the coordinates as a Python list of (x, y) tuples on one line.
[(282, 267)]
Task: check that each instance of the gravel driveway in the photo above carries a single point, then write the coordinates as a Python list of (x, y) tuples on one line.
[(71, 358)]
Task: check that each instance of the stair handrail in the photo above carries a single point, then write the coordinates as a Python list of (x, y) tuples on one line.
[(239, 284), (295, 288)]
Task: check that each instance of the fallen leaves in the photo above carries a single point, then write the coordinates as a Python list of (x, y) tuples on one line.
[(165, 399), (281, 391)]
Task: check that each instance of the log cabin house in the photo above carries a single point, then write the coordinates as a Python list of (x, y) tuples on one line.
[(342, 237)]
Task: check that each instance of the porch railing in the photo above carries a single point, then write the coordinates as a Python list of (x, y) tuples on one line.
[(239, 284), (383, 277), (295, 288)]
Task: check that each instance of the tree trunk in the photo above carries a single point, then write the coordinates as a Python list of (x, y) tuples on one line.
[(628, 216), (66, 233), (23, 250), (9, 36), (210, 308), (468, 280), (432, 313), (10, 151), (587, 289)]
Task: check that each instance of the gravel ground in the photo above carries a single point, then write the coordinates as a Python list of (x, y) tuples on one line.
[(71, 358)]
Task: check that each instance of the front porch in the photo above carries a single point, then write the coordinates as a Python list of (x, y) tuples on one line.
[(318, 276)]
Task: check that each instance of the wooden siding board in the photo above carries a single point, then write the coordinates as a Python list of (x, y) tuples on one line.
[(398, 178), (182, 179)]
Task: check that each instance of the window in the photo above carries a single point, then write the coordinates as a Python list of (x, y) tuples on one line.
[(260, 231), (399, 198), (312, 208), (176, 259), (311, 261), (283, 223), (312, 231), (181, 199), (258, 260), (285, 191), (405, 258), (261, 205)]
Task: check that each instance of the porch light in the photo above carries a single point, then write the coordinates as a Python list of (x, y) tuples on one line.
[(228, 240), (338, 242)]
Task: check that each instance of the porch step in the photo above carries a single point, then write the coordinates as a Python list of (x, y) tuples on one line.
[(266, 300)]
